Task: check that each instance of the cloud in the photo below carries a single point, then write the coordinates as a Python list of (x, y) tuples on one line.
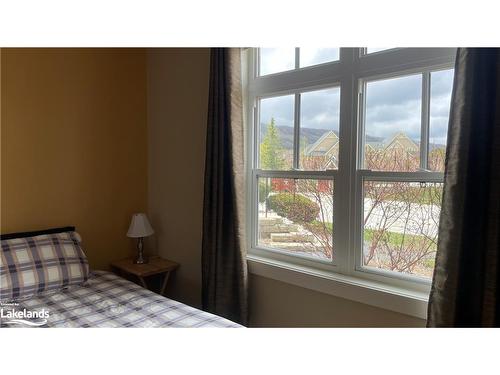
[(281, 108), (394, 90), (320, 109), (386, 120), (393, 106), (441, 82), (314, 56), (274, 60), (441, 87)]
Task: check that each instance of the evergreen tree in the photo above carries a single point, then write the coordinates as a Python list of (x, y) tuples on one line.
[(270, 149)]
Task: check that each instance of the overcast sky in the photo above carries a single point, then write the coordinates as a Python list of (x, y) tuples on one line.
[(392, 105)]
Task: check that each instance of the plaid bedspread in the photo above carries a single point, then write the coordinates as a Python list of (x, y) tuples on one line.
[(108, 300)]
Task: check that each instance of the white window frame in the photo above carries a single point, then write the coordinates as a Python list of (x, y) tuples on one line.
[(350, 72)]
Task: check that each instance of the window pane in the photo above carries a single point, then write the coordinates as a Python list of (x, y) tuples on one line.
[(296, 216), (401, 226), (441, 87), (315, 56), (377, 49), (275, 60), (276, 133), (392, 125), (319, 129)]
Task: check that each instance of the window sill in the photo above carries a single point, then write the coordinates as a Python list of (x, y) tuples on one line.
[(369, 292)]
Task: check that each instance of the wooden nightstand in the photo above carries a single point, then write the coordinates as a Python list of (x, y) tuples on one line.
[(155, 266)]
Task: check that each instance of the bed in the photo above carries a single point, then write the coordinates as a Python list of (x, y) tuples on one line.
[(101, 299), (108, 300)]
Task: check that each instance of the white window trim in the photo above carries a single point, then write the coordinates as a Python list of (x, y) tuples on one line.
[(343, 277)]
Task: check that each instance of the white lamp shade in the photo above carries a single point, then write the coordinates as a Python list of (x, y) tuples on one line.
[(139, 226)]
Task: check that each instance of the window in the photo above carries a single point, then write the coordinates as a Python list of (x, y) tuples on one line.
[(441, 86), (315, 56), (393, 123), (377, 49), (276, 141), (278, 60), (274, 60), (319, 129), (346, 171), (295, 218)]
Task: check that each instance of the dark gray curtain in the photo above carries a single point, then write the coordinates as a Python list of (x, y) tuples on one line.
[(224, 268), (466, 285)]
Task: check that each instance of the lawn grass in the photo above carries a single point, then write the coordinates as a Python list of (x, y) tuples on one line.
[(416, 195), (393, 238), (396, 239)]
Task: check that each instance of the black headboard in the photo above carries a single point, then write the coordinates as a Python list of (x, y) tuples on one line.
[(9, 236)]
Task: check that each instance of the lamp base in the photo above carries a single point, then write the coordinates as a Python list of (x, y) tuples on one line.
[(141, 259)]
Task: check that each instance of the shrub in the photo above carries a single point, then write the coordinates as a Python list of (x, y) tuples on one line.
[(294, 207)]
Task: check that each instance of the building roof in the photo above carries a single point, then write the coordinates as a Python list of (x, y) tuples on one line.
[(401, 140), (324, 145), (328, 142)]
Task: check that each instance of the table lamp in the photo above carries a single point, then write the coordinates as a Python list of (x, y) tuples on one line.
[(140, 228)]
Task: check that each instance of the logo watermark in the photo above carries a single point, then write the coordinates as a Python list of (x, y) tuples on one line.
[(10, 315)]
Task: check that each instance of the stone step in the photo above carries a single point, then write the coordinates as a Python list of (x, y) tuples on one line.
[(265, 231), (291, 246), (292, 237), (279, 228), (270, 220)]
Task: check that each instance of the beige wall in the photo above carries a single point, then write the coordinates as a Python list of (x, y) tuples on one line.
[(73, 144), (277, 304), (177, 107)]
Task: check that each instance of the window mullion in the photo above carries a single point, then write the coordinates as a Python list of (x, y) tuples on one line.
[(347, 161), (315, 175), (424, 132), (256, 63), (421, 176), (256, 143), (360, 112), (296, 132)]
